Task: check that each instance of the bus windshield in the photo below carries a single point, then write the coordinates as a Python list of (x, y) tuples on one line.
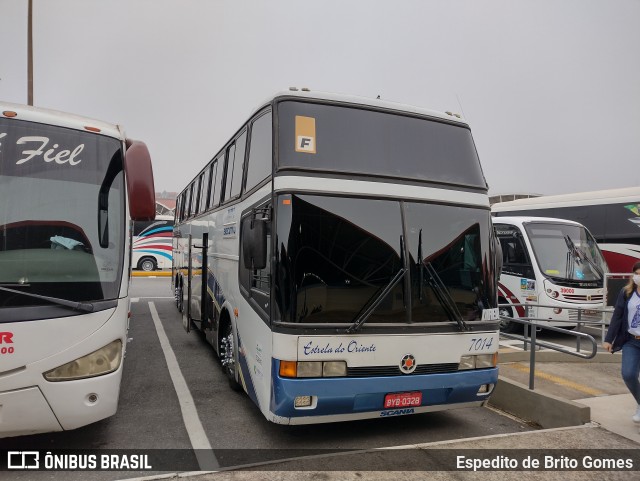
[(382, 144), (62, 215), (566, 251), (338, 256)]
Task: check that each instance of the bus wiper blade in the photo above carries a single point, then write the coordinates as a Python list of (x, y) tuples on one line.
[(78, 306), (581, 255), (372, 307), (444, 297)]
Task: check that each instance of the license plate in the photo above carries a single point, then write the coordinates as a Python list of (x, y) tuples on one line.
[(590, 313), (403, 400)]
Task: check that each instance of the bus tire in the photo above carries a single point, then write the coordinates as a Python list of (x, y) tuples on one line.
[(147, 264), (228, 353), (179, 295), (507, 326)]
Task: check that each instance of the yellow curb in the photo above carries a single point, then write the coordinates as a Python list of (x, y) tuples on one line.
[(151, 274), (561, 381)]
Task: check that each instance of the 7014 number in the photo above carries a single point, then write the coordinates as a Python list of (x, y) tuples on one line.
[(480, 343)]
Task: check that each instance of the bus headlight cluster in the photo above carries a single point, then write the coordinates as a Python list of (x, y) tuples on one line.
[(313, 368), (100, 362), (479, 361)]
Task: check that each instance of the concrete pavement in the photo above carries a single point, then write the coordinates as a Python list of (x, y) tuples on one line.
[(590, 396)]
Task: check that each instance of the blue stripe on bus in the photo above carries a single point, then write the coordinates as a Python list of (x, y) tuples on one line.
[(246, 374), (158, 253), (214, 288), (345, 395), (159, 229)]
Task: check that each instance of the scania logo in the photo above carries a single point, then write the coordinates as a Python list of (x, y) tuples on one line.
[(408, 364)]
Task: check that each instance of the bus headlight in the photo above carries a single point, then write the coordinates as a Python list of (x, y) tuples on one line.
[(486, 360), (334, 369), (467, 362), (313, 369), (479, 361), (309, 369), (100, 362)]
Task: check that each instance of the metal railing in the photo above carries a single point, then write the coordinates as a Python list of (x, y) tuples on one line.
[(534, 324)]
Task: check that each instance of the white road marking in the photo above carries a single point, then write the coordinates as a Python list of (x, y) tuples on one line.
[(199, 441)]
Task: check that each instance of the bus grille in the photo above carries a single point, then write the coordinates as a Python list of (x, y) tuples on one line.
[(576, 297), (371, 371)]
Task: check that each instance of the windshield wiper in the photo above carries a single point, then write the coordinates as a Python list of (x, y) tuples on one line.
[(78, 306), (581, 256), (444, 297), (377, 300)]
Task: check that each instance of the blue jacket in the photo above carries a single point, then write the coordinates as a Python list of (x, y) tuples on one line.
[(618, 332)]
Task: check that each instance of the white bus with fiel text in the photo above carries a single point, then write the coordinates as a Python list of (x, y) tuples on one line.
[(70, 187)]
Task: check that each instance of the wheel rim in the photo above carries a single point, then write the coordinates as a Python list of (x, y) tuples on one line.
[(227, 354), (147, 265), (503, 311), (179, 298)]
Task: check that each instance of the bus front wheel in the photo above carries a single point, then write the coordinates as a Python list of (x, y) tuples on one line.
[(506, 325)]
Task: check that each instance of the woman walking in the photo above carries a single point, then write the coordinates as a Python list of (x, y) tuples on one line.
[(624, 333)]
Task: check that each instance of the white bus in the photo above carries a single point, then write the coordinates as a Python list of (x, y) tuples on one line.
[(612, 216), (152, 244), (339, 256), (548, 262), (64, 265)]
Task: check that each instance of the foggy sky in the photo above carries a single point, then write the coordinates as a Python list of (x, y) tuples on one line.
[(551, 89)]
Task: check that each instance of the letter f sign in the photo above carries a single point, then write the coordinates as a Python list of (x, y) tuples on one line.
[(305, 134), (305, 144)]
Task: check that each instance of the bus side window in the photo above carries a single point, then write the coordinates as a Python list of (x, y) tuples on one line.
[(256, 282), (187, 201), (514, 256), (218, 171), (235, 166), (204, 190), (260, 151)]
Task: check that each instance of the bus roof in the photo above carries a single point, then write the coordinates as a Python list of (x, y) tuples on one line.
[(611, 196), (520, 220), (62, 119), (365, 101)]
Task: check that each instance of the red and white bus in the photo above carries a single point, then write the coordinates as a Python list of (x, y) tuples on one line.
[(612, 217), (152, 244), (69, 189)]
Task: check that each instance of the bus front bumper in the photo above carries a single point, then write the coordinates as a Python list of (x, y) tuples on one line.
[(26, 411), (336, 399)]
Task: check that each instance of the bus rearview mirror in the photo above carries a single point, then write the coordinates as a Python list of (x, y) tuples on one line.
[(140, 186), (254, 243)]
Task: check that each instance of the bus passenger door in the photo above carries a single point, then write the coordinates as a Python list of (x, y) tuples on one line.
[(517, 279), (186, 311), (199, 289)]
